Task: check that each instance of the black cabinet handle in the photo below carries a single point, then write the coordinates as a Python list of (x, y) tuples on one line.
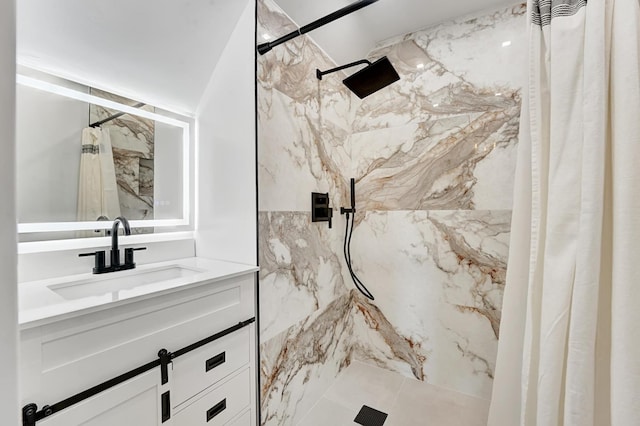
[(216, 409), (166, 406), (212, 363)]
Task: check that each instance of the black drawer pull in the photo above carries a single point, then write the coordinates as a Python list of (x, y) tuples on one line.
[(166, 407), (217, 360), (217, 409)]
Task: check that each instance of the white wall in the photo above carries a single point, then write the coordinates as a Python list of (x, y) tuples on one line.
[(8, 297), (226, 221)]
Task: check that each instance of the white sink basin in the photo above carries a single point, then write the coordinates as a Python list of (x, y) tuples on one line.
[(54, 299), (114, 282)]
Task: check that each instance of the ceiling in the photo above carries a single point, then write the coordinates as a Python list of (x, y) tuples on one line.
[(162, 53), (353, 36)]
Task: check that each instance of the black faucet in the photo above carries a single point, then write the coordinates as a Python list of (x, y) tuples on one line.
[(115, 265), (105, 232), (115, 251)]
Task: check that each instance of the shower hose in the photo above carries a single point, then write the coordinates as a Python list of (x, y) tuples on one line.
[(347, 257)]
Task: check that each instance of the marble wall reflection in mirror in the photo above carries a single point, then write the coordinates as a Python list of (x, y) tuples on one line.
[(86, 156)]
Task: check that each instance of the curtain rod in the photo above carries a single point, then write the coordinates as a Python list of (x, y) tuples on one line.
[(114, 116), (265, 47)]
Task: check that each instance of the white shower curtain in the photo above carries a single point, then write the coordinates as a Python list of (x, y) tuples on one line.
[(97, 187), (569, 351)]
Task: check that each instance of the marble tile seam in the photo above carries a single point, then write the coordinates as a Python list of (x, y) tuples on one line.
[(448, 389)]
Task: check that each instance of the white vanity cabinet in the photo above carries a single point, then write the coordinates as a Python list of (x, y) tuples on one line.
[(211, 379)]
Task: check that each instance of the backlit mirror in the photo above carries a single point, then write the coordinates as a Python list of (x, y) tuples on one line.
[(86, 156)]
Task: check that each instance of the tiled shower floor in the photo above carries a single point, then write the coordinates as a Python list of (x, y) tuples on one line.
[(407, 401)]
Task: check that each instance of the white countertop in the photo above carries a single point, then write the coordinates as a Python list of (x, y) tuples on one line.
[(45, 301)]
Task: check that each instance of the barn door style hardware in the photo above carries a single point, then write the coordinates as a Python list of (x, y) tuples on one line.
[(31, 415)]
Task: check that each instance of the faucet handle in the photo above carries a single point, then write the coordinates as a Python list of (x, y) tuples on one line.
[(100, 262), (128, 255)]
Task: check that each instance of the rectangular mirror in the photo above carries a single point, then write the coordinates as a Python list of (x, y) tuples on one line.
[(85, 157)]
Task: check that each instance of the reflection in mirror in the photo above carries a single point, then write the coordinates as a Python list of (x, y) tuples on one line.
[(86, 156), (124, 145)]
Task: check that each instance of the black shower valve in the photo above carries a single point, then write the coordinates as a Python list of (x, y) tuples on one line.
[(320, 210)]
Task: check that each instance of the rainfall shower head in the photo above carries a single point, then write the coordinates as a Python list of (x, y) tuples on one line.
[(368, 80), (372, 78)]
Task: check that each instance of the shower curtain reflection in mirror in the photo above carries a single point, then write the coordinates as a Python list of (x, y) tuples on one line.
[(97, 187)]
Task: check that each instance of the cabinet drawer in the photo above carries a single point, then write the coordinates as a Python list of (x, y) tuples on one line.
[(202, 368), (219, 405), (242, 420)]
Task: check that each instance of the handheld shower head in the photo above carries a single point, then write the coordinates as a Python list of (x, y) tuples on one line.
[(353, 195)]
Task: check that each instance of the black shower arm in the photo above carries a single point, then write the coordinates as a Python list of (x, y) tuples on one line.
[(265, 47), (319, 73), (114, 116)]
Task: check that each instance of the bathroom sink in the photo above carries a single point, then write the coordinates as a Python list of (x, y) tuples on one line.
[(114, 282)]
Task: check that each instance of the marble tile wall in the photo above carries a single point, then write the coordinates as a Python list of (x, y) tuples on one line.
[(438, 278), (433, 156), (434, 159)]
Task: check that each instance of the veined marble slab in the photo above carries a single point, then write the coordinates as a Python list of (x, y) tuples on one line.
[(438, 277), (438, 164), (486, 49), (444, 136), (298, 365), (300, 269), (298, 155)]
